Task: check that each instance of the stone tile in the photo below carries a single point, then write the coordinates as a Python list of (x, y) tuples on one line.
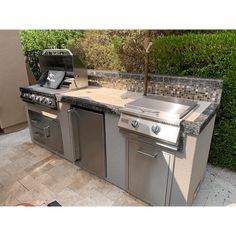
[(37, 196), (4, 162), (233, 179), (67, 197), (4, 177), (56, 160), (11, 201), (127, 200), (9, 192), (56, 185), (225, 174), (27, 181), (208, 181), (202, 197), (40, 152), (215, 198), (79, 180), (115, 193), (229, 203), (212, 169), (226, 188), (93, 198), (40, 164)]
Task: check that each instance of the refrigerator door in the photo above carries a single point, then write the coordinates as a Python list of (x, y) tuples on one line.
[(89, 134)]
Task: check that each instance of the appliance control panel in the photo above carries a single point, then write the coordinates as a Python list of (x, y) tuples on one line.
[(39, 99), (160, 131)]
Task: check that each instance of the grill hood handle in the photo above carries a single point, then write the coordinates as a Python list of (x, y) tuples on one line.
[(56, 50)]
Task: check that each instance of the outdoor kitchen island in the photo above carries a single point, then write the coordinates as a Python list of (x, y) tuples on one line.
[(170, 178)]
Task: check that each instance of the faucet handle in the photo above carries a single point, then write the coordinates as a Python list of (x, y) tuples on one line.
[(148, 47)]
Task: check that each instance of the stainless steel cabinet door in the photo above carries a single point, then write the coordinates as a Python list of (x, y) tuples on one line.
[(148, 172), (91, 141)]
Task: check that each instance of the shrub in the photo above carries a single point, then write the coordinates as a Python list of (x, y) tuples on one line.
[(97, 50), (35, 41), (205, 55), (120, 50)]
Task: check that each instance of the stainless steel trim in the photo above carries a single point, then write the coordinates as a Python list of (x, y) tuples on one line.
[(135, 112), (147, 154), (45, 51), (167, 146), (70, 111), (170, 159)]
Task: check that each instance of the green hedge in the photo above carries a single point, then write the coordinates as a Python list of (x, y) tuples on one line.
[(205, 55)]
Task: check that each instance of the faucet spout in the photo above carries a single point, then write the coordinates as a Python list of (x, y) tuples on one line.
[(147, 45)]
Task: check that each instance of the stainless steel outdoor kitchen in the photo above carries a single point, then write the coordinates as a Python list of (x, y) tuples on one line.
[(155, 147)]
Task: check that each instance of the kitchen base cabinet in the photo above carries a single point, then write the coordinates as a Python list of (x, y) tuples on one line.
[(148, 172)]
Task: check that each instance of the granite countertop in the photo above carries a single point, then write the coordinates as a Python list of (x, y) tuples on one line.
[(112, 100)]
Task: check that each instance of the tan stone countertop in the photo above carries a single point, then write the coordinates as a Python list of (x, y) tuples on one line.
[(111, 100), (107, 96)]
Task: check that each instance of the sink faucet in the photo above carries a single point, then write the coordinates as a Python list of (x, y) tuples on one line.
[(147, 45)]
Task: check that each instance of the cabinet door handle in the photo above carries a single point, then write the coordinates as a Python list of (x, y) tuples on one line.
[(147, 154), (71, 131), (46, 131)]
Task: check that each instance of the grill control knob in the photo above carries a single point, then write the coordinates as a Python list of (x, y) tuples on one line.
[(32, 97), (135, 123), (46, 101), (37, 98), (42, 99), (156, 129)]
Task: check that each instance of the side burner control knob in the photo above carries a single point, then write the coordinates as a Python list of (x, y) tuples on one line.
[(135, 123), (156, 129)]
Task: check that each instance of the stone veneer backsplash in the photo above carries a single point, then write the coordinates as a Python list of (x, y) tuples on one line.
[(202, 89)]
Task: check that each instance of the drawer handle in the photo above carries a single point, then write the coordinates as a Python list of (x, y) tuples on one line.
[(34, 121), (37, 134), (148, 155), (46, 131)]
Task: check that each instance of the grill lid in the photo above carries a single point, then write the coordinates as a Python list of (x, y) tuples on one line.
[(162, 107)]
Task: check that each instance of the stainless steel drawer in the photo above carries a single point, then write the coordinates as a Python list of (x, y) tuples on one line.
[(46, 131), (147, 172)]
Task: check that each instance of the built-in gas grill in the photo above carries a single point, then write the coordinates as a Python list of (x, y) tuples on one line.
[(61, 71), (157, 117)]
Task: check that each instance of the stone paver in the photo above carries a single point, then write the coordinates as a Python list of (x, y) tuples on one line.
[(29, 173)]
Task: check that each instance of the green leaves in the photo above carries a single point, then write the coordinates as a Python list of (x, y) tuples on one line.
[(205, 55)]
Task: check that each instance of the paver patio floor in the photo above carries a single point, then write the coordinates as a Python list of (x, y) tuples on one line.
[(29, 173)]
